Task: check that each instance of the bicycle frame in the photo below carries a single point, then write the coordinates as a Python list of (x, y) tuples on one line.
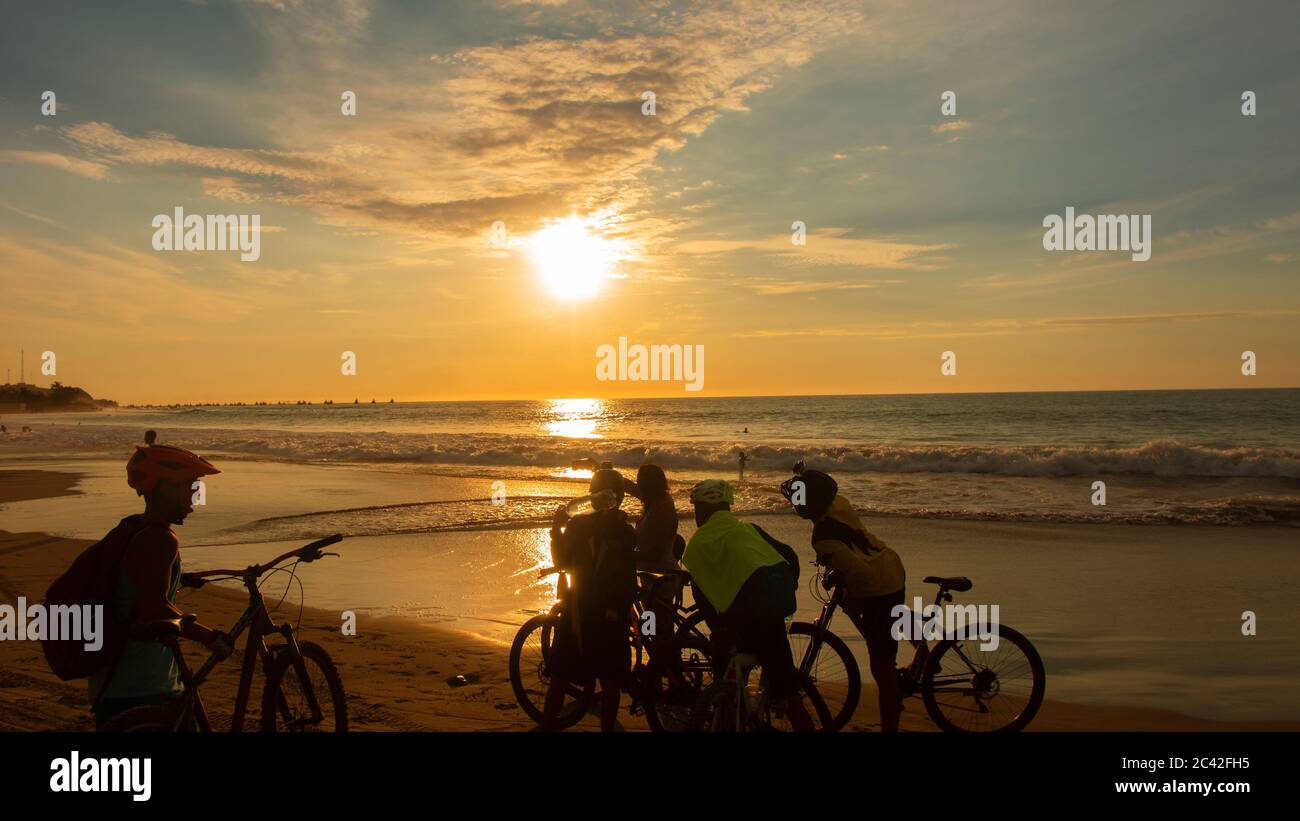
[(912, 672), (258, 622), (909, 676)]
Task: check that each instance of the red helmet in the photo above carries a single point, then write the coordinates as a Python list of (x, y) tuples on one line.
[(153, 462)]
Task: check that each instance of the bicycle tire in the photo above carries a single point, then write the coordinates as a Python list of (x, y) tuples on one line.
[(278, 678), (718, 699), (721, 695), (693, 625), (147, 719), (844, 693), (531, 700), (1020, 720), (688, 671)]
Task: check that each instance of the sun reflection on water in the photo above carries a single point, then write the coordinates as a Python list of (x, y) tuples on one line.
[(575, 418)]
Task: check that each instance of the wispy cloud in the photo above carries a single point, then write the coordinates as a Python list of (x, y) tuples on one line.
[(522, 131), (74, 165), (788, 287), (830, 246)]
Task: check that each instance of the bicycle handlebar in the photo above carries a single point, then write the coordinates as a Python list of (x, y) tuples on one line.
[(306, 553)]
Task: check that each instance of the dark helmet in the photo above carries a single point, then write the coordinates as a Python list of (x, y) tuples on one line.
[(607, 479), (818, 490)]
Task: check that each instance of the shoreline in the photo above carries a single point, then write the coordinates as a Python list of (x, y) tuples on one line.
[(396, 670)]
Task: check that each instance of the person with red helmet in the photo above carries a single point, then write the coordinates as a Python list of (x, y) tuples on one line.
[(148, 578)]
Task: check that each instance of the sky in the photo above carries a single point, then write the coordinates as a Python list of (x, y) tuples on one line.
[(924, 228)]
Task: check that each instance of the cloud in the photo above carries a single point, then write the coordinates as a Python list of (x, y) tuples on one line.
[(787, 287), (951, 126), (829, 246), (1148, 319), (521, 131), (85, 168), (1003, 327)]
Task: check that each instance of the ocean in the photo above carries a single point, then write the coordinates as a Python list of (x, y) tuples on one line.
[(1211, 457), (1135, 602)]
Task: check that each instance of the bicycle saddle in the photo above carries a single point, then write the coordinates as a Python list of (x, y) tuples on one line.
[(959, 583)]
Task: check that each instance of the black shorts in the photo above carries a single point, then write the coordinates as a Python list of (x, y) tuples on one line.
[(603, 653), (874, 617)]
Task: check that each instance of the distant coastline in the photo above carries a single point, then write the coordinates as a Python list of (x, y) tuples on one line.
[(24, 398)]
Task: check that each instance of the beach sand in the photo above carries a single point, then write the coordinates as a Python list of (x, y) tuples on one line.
[(396, 670)]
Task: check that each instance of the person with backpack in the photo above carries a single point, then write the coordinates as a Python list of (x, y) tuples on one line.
[(745, 583), (591, 640), (136, 571), (873, 574)]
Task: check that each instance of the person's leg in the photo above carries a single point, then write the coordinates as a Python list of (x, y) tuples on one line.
[(564, 667), (554, 702), (891, 699), (874, 620), (767, 640), (800, 720), (611, 692)]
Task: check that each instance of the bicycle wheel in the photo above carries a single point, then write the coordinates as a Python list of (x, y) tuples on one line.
[(968, 689), (834, 670), (715, 711), (772, 716), (530, 679), (285, 705), (149, 719), (672, 683), (693, 626)]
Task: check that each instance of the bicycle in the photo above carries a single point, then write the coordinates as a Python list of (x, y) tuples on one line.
[(734, 704), (291, 697), (665, 680), (964, 687)]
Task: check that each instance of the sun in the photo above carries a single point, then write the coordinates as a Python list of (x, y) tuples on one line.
[(572, 258)]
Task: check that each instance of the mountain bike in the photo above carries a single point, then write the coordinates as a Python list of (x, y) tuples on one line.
[(739, 702), (965, 688), (666, 677), (302, 693)]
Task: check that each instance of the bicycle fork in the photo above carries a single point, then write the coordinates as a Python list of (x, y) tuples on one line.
[(820, 627)]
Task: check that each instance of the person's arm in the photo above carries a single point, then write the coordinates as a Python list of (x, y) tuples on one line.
[(631, 488), (148, 564), (559, 543)]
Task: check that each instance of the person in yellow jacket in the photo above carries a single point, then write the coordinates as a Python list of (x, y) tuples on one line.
[(874, 578), (745, 586)]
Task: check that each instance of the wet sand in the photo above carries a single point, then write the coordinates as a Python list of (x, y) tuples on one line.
[(395, 670)]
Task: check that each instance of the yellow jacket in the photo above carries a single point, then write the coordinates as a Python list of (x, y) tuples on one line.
[(723, 554), (869, 566)]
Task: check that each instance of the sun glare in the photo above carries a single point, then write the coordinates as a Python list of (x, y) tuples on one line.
[(572, 258)]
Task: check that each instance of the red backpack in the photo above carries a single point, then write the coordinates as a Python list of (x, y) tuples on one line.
[(91, 580)]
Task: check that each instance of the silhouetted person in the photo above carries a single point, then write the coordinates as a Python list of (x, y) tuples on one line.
[(147, 580), (745, 586), (872, 573), (598, 550)]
